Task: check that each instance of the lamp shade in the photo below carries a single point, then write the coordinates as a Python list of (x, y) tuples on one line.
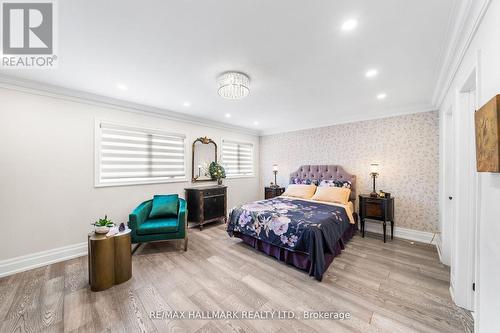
[(374, 167), (275, 167)]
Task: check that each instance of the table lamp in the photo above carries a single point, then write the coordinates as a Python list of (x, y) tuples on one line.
[(275, 171), (374, 168)]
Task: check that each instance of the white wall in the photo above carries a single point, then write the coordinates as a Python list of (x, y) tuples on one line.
[(485, 52), (47, 193)]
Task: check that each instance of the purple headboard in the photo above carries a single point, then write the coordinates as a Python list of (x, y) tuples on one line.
[(320, 172)]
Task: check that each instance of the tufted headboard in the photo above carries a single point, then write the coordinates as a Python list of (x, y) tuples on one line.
[(320, 172)]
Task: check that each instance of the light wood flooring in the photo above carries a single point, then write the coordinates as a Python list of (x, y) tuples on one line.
[(392, 287)]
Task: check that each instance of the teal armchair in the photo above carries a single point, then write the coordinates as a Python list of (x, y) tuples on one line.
[(145, 229)]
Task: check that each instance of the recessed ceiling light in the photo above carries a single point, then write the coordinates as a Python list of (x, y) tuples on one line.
[(349, 25), (256, 123), (186, 104), (227, 115), (371, 73), (381, 96), (121, 86)]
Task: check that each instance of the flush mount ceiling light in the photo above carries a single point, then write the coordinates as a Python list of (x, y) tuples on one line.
[(233, 85), (381, 96)]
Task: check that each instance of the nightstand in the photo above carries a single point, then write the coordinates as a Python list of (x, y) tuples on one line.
[(375, 208), (271, 192)]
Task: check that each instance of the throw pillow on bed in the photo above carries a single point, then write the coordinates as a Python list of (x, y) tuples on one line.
[(305, 181), (300, 191), (332, 194), (335, 183)]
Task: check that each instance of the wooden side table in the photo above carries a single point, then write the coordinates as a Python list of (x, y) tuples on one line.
[(271, 192), (110, 260), (375, 208)]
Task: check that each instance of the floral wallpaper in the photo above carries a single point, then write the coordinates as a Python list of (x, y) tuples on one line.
[(407, 148)]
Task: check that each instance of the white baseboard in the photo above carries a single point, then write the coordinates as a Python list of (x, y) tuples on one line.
[(439, 244), (39, 259), (409, 234)]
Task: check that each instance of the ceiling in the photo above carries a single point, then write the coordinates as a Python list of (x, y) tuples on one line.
[(304, 70)]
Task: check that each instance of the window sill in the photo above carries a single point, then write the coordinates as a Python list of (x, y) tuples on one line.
[(147, 182)]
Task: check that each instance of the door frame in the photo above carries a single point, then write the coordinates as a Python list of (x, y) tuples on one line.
[(464, 255)]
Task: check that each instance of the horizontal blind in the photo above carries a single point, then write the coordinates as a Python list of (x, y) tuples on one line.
[(237, 158), (129, 155)]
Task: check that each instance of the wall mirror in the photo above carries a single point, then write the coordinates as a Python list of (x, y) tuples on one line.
[(204, 153)]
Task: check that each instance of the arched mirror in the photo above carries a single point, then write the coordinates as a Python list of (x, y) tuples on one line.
[(204, 153)]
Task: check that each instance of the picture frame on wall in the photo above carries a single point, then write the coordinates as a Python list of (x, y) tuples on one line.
[(487, 123)]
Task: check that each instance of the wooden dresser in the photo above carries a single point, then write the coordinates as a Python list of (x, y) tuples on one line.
[(206, 204)]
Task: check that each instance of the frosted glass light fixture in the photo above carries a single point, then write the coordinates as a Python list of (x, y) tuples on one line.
[(233, 85)]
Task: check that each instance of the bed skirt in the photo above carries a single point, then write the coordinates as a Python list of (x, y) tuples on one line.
[(296, 258)]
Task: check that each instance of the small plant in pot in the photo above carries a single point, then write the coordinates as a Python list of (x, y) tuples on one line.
[(217, 172), (103, 225)]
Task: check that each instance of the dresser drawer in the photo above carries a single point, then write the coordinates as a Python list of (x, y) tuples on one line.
[(373, 209), (214, 191)]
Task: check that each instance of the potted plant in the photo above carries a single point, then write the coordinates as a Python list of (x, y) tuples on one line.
[(103, 225), (217, 172)]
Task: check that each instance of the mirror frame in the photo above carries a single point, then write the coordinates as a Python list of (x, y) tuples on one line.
[(205, 141)]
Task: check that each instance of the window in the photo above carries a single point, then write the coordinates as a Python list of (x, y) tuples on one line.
[(127, 155), (237, 158)]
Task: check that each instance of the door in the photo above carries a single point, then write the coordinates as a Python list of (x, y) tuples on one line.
[(449, 186)]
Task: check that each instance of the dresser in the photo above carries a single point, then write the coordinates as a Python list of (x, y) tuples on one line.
[(206, 204), (375, 208), (271, 192)]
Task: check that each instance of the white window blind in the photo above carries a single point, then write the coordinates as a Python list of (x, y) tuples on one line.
[(130, 155), (237, 158)]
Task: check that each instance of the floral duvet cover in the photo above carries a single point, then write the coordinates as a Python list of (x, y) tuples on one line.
[(293, 224)]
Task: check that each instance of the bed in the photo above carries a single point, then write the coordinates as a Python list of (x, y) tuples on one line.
[(301, 232)]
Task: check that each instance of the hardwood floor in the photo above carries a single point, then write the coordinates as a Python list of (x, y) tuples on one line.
[(392, 287)]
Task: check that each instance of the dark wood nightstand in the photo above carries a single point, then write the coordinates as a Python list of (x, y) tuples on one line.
[(374, 208), (271, 192)]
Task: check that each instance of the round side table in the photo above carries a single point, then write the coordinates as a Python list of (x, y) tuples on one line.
[(110, 260)]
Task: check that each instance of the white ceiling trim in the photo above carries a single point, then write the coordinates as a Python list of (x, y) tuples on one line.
[(468, 18), (42, 89), (351, 119)]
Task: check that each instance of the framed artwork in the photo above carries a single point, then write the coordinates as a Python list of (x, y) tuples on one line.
[(488, 136)]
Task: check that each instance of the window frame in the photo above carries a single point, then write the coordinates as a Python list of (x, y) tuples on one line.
[(253, 175), (97, 156)]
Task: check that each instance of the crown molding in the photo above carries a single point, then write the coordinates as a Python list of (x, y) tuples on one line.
[(48, 90), (403, 111), (467, 16)]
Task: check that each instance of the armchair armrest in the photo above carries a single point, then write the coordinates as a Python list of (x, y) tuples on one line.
[(140, 214), (182, 216)]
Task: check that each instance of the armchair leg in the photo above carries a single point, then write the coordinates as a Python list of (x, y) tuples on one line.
[(136, 248), (185, 243)]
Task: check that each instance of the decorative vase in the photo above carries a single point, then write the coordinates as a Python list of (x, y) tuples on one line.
[(219, 181)]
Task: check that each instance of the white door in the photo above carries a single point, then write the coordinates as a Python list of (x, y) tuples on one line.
[(449, 186)]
